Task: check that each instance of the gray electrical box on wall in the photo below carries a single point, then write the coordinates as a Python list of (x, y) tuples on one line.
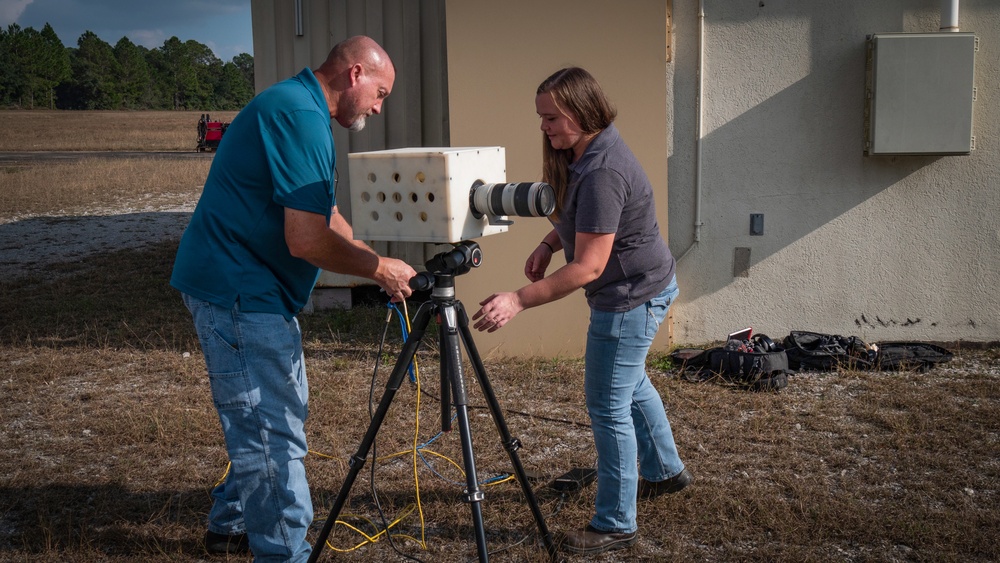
[(919, 93)]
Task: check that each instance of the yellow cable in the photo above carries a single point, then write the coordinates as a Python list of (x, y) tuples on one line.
[(224, 475), (371, 538), (415, 451), (425, 450), (416, 436)]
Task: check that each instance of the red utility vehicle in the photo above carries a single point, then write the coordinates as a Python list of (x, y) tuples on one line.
[(210, 133)]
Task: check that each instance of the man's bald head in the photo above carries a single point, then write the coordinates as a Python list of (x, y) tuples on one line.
[(356, 76), (359, 48)]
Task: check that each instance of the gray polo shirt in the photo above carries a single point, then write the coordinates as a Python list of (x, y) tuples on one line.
[(609, 192)]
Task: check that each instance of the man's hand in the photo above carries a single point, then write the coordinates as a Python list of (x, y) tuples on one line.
[(394, 276)]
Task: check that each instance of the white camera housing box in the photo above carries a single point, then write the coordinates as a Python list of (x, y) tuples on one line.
[(421, 194)]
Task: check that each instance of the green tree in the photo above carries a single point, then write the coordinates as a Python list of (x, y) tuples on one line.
[(179, 70), (233, 91), (50, 64), (160, 80), (13, 71), (95, 83), (37, 70), (134, 78), (32, 63), (244, 62), (209, 73)]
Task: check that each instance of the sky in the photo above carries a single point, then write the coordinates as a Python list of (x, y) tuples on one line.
[(223, 25)]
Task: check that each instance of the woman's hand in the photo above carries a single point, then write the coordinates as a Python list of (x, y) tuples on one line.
[(537, 263), (593, 250), (496, 310)]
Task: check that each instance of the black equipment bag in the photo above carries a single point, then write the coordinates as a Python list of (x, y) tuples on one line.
[(917, 356), (758, 364), (826, 352)]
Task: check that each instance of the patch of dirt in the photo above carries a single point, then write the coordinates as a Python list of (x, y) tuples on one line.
[(30, 245)]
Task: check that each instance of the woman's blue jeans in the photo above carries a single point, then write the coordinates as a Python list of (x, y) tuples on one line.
[(258, 382), (626, 412)]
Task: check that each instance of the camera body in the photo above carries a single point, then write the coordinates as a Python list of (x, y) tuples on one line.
[(422, 194)]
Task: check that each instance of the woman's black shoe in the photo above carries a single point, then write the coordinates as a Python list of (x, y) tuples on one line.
[(222, 543), (652, 489)]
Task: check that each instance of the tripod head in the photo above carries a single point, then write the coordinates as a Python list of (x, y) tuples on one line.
[(443, 267)]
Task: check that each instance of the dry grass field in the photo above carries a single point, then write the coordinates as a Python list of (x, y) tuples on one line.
[(109, 444), (54, 130)]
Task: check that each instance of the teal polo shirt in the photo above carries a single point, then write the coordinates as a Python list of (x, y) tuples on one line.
[(278, 152)]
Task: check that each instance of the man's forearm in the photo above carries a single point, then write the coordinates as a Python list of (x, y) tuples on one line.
[(330, 246)]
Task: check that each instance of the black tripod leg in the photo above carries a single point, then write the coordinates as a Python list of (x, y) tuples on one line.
[(358, 460), (445, 383), (510, 443), (452, 362)]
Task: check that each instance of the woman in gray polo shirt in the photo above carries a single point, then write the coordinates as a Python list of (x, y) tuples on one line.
[(605, 224)]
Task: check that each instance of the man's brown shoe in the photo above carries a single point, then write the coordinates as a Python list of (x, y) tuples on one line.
[(652, 489), (592, 540)]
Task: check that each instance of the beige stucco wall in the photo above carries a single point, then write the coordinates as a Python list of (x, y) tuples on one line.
[(904, 247), (498, 53)]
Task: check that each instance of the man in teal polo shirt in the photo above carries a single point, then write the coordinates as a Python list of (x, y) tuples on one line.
[(266, 224)]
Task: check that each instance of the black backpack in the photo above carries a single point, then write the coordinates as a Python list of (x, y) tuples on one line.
[(825, 352), (758, 364), (917, 356)]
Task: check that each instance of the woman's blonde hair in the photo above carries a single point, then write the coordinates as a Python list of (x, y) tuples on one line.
[(578, 94)]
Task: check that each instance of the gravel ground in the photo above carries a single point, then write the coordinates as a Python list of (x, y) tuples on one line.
[(28, 245), (31, 243)]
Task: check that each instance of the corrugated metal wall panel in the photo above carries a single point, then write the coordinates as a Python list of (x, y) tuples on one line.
[(416, 114)]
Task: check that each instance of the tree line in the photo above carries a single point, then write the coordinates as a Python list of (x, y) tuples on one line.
[(38, 71)]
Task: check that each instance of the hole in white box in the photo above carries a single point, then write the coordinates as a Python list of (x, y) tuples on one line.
[(430, 197), (421, 177), (423, 216), (399, 216), (371, 177), (366, 197), (395, 177), (397, 197), (414, 197), (374, 215), (380, 196)]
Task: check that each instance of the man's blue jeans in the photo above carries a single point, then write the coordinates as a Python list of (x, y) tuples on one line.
[(626, 412), (258, 382)]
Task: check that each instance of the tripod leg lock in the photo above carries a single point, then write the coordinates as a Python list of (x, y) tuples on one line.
[(356, 460), (474, 497), (513, 445)]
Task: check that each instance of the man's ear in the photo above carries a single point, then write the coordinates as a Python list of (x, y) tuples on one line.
[(356, 71)]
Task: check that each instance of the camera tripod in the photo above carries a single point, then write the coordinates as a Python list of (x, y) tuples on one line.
[(453, 325)]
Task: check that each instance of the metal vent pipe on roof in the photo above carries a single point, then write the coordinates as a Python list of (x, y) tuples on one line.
[(298, 18), (699, 134), (949, 15), (701, 116)]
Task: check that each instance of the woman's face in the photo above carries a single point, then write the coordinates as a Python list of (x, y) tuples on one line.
[(562, 129)]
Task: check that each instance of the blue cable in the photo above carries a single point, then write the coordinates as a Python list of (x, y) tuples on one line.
[(402, 326)]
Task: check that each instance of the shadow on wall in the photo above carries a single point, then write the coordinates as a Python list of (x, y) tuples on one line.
[(796, 157)]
